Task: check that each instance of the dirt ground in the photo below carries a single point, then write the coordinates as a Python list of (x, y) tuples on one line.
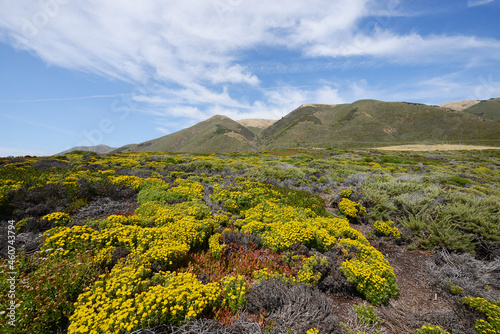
[(419, 300), (440, 147)]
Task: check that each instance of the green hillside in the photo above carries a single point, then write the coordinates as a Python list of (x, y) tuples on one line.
[(371, 122), (216, 134), (101, 149), (364, 123), (488, 109)]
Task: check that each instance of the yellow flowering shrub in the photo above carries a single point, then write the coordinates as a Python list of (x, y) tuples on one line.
[(169, 254), (128, 299), (120, 219), (386, 228), (431, 329), (307, 273), (242, 196), (283, 226), (158, 214), (312, 331), (166, 245), (234, 292), (215, 248), (351, 209), (186, 230), (282, 236), (58, 218), (346, 193), (188, 190), (75, 239), (490, 309), (265, 274), (7, 185), (370, 272), (104, 256), (130, 181), (107, 172)]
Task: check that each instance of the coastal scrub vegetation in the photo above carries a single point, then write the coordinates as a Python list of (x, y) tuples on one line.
[(246, 242)]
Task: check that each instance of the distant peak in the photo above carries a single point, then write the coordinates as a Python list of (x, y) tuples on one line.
[(214, 117), (318, 105)]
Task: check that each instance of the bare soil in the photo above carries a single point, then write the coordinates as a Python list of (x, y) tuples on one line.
[(257, 122), (460, 105), (419, 300), (440, 147)]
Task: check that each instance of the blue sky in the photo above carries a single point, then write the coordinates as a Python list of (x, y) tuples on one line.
[(109, 72)]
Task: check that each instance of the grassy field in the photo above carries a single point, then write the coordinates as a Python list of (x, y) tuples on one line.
[(284, 241)]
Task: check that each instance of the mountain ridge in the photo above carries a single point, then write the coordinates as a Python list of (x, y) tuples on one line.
[(101, 149), (363, 123)]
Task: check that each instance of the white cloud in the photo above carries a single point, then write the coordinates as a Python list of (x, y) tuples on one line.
[(473, 3), (412, 48), (201, 41), (434, 90), (184, 54), (163, 130)]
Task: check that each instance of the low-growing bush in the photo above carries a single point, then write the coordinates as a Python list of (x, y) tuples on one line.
[(386, 228), (298, 307), (490, 309), (145, 300), (370, 272), (351, 209), (46, 296), (431, 329), (234, 292)]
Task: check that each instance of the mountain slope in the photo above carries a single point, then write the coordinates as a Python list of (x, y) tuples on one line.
[(370, 122), (459, 105), (256, 125), (101, 149), (216, 134), (364, 123), (488, 109)]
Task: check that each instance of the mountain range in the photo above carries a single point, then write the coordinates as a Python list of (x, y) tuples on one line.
[(364, 123), (101, 149)]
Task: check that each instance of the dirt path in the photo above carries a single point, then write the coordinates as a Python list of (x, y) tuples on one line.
[(419, 300), (440, 147)]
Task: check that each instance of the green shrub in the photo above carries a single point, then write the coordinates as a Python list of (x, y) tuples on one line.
[(386, 228), (367, 315), (351, 209), (152, 194), (47, 295), (216, 249), (454, 289), (490, 309), (431, 329), (431, 232), (234, 292), (309, 273)]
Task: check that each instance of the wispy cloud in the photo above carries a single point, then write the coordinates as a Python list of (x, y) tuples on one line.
[(61, 99), (473, 3), (194, 50)]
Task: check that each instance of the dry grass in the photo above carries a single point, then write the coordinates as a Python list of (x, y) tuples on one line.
[(257, 122), (460, 105), (438, 147)]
